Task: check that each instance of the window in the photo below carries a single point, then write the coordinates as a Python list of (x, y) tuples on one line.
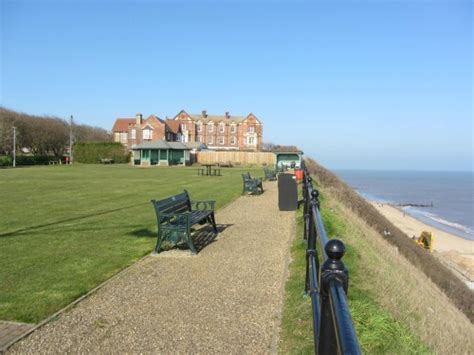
[(232, 140), (123, 137), (147, 133), (199, 127), (233, 128), (222, 127), (134, 133), (251, 129), (251, 140), (221, 140), (183, 126), (199, 139), (210, 140), (210, 127)]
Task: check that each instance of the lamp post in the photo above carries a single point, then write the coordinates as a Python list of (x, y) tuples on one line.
[(14, 146), (70, 141)]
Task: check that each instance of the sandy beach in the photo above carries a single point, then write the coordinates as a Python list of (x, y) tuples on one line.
[(456, 252)]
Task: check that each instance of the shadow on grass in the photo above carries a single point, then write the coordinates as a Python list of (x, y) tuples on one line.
[(143, 233), (39, 226)]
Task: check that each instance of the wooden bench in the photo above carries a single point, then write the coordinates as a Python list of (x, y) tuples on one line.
[(177, 214), (270, 174), (106, 161), (251, 185)]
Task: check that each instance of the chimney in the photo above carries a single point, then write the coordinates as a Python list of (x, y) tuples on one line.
[(139, 117), (227, 115), (204, 113)]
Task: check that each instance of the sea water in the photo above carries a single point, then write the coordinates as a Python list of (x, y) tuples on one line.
[(450, 193)]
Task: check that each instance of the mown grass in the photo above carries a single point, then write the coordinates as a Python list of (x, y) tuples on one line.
[(65, 229), (377, 329)]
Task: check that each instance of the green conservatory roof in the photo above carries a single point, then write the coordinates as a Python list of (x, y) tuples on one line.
[(161, 144)]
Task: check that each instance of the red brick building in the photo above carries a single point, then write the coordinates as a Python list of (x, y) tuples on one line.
[(131, 131), (220, 132)]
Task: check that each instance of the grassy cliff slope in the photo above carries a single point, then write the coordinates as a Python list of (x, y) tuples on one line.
[(396, 308)]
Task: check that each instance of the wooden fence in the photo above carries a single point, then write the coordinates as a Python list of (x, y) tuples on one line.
[(236, 157)]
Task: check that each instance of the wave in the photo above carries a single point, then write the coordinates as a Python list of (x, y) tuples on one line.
[(443, 222)]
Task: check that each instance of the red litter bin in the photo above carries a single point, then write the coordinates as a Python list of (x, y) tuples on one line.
[(299, 175)]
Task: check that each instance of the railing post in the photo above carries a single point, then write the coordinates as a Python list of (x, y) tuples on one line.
[(333, 270), (306, 180), (311, 236)]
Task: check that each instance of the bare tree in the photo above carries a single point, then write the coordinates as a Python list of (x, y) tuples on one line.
[(43, 135)]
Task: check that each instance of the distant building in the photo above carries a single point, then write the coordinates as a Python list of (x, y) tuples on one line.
[(219, 132), (132, 131)]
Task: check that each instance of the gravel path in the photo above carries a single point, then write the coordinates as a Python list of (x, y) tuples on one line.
[(227, 299)]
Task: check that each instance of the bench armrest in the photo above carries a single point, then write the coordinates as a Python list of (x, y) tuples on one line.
[(203, 205)]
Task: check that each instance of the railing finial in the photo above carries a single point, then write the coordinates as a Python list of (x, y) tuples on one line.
[(333, 269), (315, 198)]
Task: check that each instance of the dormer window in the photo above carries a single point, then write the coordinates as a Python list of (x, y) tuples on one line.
[(222, 127), (210, 127), (233, 128), (147, 133)]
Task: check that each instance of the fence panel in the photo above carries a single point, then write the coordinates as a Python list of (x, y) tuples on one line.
[(236, 157)]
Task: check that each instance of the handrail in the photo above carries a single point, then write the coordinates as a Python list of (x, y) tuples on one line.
[(327, 284)]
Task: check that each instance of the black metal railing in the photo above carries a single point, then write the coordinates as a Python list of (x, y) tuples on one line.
[(327, 284)]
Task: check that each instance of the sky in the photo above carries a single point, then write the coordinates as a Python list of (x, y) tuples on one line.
[(354, 84)]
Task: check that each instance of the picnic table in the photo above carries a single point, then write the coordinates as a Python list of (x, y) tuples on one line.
[(208, 171)]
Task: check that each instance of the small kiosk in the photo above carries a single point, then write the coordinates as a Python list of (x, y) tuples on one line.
[(288, 159)]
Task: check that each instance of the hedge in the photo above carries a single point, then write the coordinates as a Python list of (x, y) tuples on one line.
[(22, 160), (93, 152)]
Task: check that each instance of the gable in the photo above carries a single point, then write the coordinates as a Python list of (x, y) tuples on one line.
[(252, 119), (183, 116)]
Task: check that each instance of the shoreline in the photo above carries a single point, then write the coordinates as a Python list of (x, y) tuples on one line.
[(455, 252)]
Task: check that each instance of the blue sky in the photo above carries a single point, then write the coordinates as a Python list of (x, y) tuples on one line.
[(355, 84)]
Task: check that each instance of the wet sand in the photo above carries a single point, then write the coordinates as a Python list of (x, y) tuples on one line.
[(454, 251)]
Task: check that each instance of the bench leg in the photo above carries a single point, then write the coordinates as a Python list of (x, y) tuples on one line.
[(213, 220), (158, 242), (189, 241)]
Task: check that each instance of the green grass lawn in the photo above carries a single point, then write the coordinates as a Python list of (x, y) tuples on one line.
[(65, 229)]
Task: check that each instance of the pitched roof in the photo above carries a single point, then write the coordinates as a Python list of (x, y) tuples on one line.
[(287, 149), (195, 145), (216, 118), (173, 125), (153, 116), (160, 144), (121, 124)]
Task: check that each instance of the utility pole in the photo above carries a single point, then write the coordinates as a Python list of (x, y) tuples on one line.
[(14, 146), (70, 141)]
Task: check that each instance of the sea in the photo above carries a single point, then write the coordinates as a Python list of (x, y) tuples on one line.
[(449, 195)]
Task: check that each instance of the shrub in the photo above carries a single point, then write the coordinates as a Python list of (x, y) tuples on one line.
[(93, 152), (5, 160)]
